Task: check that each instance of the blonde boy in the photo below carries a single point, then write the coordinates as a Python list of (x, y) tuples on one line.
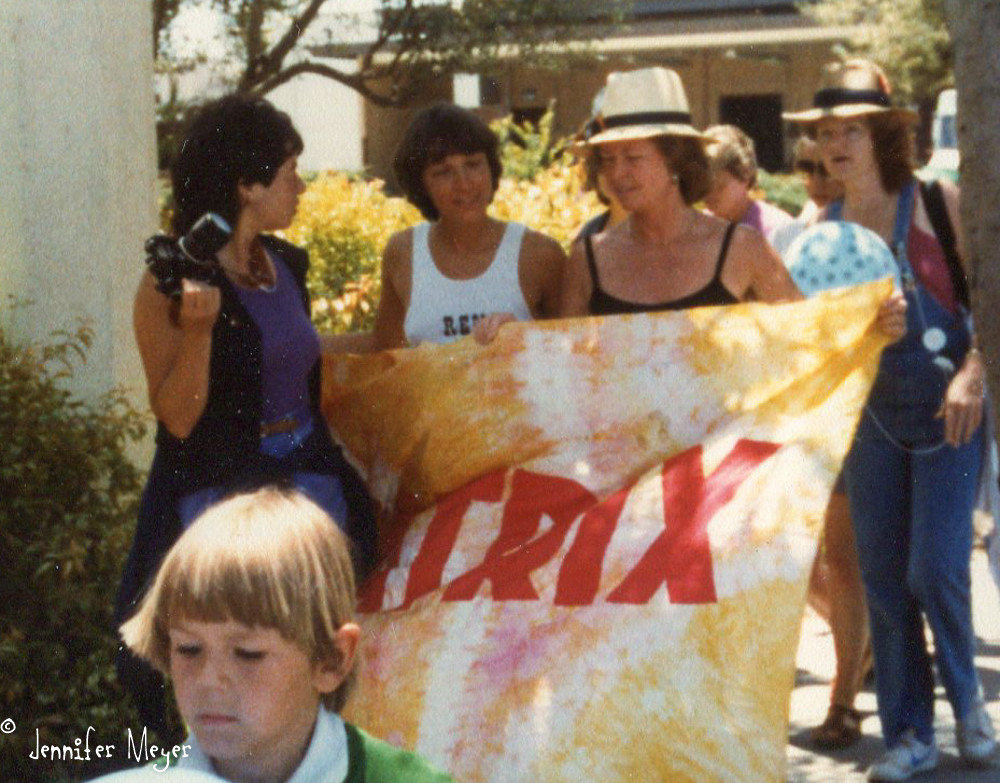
[(251, 616)]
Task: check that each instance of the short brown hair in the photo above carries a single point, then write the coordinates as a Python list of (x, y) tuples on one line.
[(434, 134), (733, 151), (591, 170), (271, 558), (686, 158)]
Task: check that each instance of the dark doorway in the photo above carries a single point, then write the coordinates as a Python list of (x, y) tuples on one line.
[(759, 116), (532, 114)]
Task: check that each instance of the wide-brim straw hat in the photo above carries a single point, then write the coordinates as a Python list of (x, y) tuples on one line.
[(639, 105), (853, 88)]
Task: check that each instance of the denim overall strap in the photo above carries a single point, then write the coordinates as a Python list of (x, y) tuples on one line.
[(904, 208), (901, 229), (915, 371)]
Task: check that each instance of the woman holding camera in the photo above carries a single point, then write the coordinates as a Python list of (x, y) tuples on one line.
[(232, 362)]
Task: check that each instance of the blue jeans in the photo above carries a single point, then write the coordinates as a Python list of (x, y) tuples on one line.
[(913, 524), (323, 489)]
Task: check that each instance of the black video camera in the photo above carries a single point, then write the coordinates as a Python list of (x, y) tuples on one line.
[(192, 256)]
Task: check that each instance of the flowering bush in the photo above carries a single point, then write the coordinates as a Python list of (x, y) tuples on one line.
[(344, 224), (553, 202), (783, 190), (528, 148)]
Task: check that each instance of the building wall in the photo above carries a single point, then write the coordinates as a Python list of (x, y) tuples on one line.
[(328, 115), (790, 71), (708, 77), (77, 174), (384, 128)]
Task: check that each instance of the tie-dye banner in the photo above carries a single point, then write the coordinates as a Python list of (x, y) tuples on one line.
[(599, 536)]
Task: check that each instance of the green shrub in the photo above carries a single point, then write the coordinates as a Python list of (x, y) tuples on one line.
[(68, 501), (527, 149), (783, 190)]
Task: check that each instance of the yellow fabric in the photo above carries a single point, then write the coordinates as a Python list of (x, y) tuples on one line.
[(704, 445)]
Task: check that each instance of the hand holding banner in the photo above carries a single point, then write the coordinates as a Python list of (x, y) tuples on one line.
[(598, 534)]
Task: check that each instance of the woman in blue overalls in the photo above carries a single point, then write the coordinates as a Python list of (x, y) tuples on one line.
[(913, 470)]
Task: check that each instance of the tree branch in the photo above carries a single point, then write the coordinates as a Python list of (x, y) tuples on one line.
[(356, 81), (271, 61)]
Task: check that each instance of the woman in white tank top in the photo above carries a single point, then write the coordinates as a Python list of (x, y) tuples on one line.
[(463, 272)]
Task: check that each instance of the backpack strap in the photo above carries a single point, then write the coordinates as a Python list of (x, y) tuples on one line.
[(941, 223)]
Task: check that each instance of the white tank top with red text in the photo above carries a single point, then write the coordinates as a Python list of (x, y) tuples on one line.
[(443, 310)]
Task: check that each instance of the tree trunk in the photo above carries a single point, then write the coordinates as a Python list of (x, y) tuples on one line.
[(975, 29)]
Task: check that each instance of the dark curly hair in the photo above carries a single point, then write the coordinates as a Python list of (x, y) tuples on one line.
[(233, 140), (434, 134)]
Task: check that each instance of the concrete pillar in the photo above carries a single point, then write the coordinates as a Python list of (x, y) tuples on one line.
[(77, 174)]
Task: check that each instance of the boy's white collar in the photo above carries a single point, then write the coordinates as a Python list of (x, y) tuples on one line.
[(325, 760)]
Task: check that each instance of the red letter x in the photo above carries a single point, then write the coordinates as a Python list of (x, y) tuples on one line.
[(681, 556)]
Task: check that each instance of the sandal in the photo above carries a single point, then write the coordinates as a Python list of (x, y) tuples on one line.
[(841, 729)]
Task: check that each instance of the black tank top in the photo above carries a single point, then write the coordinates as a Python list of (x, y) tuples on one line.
[(715, 293)]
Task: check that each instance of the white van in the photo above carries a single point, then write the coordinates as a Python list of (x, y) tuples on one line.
[(943, 163)]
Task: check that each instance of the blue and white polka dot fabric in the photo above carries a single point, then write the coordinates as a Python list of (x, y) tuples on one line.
[(835, 254)]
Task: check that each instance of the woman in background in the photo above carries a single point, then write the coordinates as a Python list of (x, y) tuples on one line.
[(733, 161), (835, 589)]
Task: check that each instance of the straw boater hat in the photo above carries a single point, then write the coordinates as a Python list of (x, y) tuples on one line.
[(640, 104), (851, 89)]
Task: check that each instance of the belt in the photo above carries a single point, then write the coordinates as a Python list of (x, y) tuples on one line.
[(279, 426)]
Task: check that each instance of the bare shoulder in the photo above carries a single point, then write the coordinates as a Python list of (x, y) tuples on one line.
[(537, 243), (952, 199), (397, 261), (541, 267), (753, 270), (577, 285), (950, 190), (541, 254), (748, 241), (398, 249)]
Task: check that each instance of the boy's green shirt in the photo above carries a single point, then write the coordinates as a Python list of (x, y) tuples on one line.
[(374, 761)]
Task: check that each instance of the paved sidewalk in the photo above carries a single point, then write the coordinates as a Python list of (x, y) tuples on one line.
[(810, 699)]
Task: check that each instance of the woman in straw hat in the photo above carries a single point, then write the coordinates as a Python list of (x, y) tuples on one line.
[(653, 162), (912, 471)]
